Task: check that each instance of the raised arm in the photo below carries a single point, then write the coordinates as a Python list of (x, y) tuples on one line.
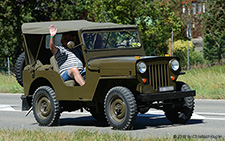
[(53, 32)]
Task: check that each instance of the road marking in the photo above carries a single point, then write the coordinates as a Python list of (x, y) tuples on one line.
[(6, 108), (215, 118), (195, 115), (213, 114), (160, 113)]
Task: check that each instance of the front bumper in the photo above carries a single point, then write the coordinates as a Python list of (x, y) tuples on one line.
[(165, 96)]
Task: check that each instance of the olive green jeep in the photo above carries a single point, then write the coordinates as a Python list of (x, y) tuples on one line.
[(120, 80)]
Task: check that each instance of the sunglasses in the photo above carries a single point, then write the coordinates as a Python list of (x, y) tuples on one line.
[(67, 40)]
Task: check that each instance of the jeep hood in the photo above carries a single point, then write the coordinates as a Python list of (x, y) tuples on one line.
[(113, 65), (119, 65)]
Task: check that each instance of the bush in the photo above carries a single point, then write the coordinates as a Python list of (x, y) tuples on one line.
[(211, 51), (181, 45), (180, 50)]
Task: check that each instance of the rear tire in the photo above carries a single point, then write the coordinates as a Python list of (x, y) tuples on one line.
[(120, 108), (46, 108), (183, 112)]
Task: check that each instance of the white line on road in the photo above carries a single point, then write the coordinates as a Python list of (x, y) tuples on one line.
[(215, 118), (161, 113), (214, 114), (6, 108), (195, 115)]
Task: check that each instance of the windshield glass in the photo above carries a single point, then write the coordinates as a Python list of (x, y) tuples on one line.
[(111, 40)]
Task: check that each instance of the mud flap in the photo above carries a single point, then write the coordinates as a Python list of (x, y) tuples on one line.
[(26, 102)]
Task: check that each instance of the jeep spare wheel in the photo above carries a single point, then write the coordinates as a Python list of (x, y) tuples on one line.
[(19, 66)]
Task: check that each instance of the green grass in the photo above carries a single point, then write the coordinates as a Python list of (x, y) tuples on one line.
[(208, 82), (9, 85), (78, 135)]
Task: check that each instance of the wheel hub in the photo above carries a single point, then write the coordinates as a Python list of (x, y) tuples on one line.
[(44, 107), (118, 109)]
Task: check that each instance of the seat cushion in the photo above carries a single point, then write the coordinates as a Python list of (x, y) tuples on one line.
[(54, 64), (70, 83), (56, 68)]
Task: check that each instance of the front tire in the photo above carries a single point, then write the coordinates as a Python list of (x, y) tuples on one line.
[(181, 113), (120, 108), (46, 108)]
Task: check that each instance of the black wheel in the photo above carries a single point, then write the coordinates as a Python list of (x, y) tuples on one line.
[(182, 112), (19, 66), (120, 108), (99, 113), (46, 108)]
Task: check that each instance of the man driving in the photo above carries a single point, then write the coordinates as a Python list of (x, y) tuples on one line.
[(70, 66)]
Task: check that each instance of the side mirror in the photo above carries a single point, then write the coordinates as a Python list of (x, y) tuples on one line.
[(70, 44)]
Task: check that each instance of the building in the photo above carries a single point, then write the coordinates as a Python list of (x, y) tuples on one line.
[(189, 11)]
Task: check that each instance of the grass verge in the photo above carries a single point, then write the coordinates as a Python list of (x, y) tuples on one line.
[(76, 135), (208, 82), (81, 135), (9, 85)]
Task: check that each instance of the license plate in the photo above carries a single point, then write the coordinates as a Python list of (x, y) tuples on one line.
[(164, 89)]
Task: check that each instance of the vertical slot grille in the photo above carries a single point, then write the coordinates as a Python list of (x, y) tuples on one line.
[(158, 76)]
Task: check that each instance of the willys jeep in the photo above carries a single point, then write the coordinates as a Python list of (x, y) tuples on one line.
[(120, 80)]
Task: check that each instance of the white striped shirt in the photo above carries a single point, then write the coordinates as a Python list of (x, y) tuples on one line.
[(66, 59)]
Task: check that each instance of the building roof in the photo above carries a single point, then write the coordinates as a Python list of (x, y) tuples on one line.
[(66, 26)]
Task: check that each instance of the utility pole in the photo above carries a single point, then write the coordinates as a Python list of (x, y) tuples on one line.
[(8, 67), (172, 42), (189, 38)]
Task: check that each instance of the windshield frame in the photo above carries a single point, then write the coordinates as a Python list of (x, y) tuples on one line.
[(111, 31)]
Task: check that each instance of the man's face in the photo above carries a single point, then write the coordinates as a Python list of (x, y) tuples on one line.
[(65, 39)]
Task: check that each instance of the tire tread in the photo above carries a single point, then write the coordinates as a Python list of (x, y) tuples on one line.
[(19, 65), (131, 104), (55, 119)]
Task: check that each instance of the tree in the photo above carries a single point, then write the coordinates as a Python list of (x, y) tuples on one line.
[(214, 31), (14, 13), (154, 19)]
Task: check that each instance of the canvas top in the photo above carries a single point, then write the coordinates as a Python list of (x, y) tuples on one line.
[(66, 26)]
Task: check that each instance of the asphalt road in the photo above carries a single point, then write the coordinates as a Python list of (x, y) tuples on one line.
[(208, 121)]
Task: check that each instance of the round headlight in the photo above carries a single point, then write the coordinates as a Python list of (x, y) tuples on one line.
[(175, 65), (142, 67)]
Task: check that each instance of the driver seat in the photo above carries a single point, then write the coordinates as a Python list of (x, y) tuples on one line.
[(56, 68)]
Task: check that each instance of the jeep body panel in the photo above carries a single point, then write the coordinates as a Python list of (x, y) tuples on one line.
[(107, 68), (114, 66), (63, 92)]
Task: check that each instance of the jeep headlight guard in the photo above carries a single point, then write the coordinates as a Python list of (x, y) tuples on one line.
[(141, 67), (174, 64)]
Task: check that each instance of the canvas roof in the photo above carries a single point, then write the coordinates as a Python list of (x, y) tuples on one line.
[(66, 26)]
